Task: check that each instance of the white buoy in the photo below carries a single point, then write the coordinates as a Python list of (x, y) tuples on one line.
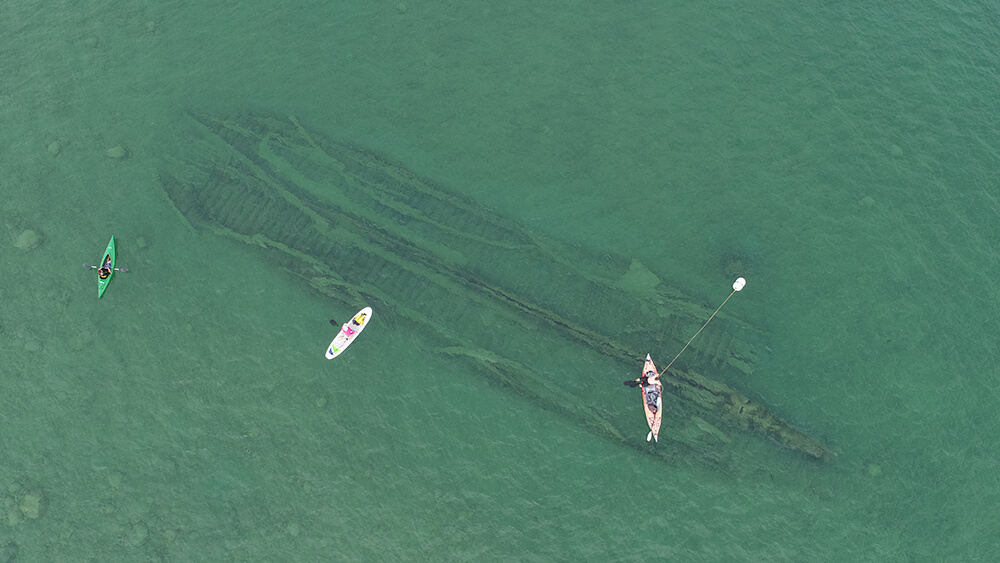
[(739, 284)]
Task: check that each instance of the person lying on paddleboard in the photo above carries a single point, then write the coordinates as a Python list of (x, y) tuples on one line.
[(347, 329)]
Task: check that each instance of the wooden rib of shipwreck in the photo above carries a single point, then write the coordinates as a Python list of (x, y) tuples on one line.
[(357, 227)]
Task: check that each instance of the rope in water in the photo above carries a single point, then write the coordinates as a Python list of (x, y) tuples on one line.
[(737, 286)]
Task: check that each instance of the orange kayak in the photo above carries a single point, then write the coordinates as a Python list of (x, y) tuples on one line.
[(652, 400)]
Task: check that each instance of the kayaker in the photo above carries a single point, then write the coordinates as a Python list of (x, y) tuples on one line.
[(647, 379), (105, 271)]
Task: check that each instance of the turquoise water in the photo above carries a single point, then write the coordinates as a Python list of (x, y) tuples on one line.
[(845, 155)]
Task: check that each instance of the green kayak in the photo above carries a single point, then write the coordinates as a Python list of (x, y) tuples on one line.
[(107, 262)]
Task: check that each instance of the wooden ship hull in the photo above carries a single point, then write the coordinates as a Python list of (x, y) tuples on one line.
[(527, 312)]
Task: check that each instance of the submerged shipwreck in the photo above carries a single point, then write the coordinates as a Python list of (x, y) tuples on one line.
[(540, 318)]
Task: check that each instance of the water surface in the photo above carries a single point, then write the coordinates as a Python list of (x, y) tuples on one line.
[(845, 155)]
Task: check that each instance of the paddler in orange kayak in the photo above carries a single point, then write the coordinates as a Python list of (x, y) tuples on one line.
[(650, 383), (647, 379)]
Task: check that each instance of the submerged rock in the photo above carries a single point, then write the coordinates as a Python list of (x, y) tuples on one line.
[(33, 505), (117, 153), (138, 535), (13, 517), (28, 240)]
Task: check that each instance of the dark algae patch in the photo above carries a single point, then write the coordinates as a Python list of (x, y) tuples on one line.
[(525, 312)]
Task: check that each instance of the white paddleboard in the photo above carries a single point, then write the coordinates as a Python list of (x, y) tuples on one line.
[(348, 333)]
